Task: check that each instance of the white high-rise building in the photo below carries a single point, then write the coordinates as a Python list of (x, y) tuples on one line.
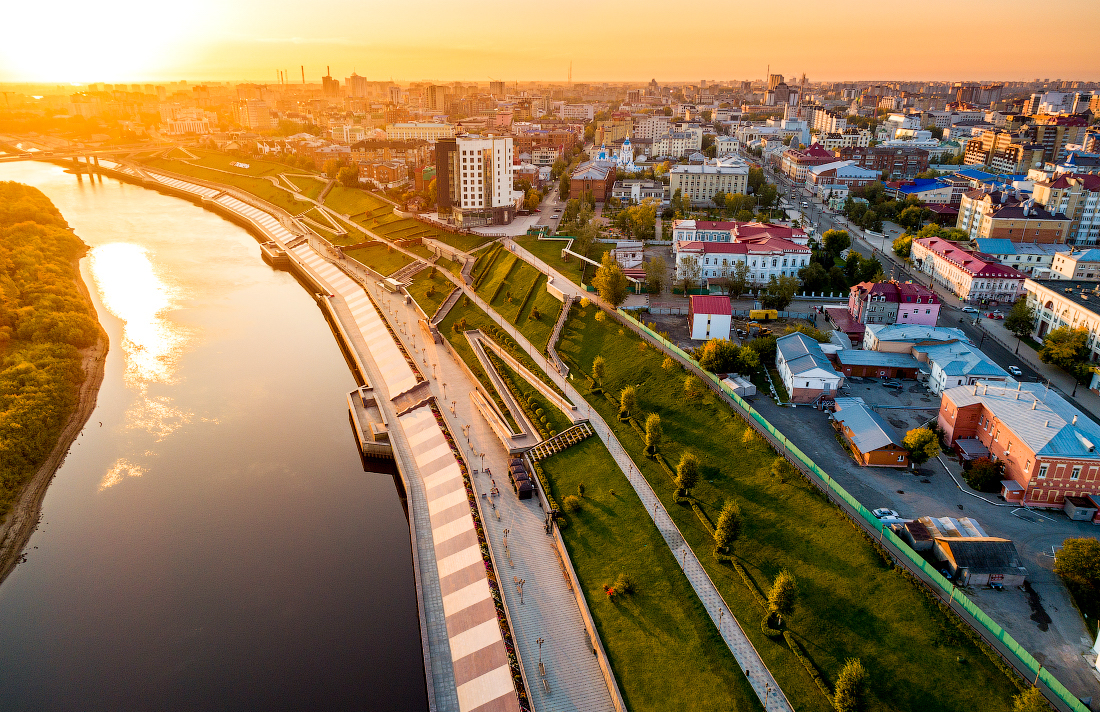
[(475, 180)]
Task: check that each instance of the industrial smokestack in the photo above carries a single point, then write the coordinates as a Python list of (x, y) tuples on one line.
[(303, 74)]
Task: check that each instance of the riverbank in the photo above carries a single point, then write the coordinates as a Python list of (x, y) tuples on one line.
[(21, 521)]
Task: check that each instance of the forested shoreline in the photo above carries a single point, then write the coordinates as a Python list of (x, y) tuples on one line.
[(45, 320)]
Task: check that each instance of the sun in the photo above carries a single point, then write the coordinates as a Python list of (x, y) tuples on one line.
[(78, 41)]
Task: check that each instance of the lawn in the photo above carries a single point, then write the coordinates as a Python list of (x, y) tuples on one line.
[(850, 603), (429, 289), (353, 202), (549, 251), (515, 290), (260, 187), (664, 649), (557, 421), (310, 187), (380, 257), (256, 167)]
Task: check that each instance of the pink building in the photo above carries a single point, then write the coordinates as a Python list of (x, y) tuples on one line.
[(893, 303)]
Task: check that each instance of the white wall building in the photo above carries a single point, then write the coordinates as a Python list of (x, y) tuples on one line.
[(1060, 303), (805, 369), (969, 276), (699, 183), (710, 317), (427, 131), (1076, 265), (652, 127), (769, 257), (727, 145)]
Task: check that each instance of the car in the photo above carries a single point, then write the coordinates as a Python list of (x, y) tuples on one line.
[(997, 315), (897, 385), (885, 514), (969, 310), (1015, 371)]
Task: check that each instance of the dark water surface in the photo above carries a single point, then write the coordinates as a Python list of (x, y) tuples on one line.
[(211, 542)]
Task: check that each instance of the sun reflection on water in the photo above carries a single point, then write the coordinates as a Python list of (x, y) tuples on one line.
[(152, 343)]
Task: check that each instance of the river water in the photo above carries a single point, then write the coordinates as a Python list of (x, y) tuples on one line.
[(211, 541)]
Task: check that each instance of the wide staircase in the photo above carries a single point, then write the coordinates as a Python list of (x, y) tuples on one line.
[(405, 274), (561, 441)]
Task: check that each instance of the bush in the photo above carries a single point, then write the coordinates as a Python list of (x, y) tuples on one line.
[(624, 583), (669, 363), (600, 316), (687, 472), (694, 388), (653, 432), (581, 489), (851, 687), (984, 475), (729, 525), (781, 469), (750, 436), (572, 503), (628, 400), (781, 597), (585, 302)]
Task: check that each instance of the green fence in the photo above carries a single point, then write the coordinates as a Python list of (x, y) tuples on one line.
[(994, 634)]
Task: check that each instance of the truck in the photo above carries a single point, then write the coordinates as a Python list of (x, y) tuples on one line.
[(763, 314)]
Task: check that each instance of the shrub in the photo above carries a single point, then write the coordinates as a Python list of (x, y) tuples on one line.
[(984, 475), (624, 583), (653, 432), (538, 411), (628, 400), (600, 316), (851, 687), (581, 489), (585, 302), (669, 363), (781, 597), (781, 469), (694, 388), (687, 472), (572, 503), (750, 436), (1030, 700), (729, 525), (598, 369)]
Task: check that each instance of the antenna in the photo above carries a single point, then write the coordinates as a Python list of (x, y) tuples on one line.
[(570, 72)]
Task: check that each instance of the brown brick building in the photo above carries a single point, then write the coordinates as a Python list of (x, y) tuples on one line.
[(893, 162)]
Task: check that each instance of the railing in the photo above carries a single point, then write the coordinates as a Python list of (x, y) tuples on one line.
[(1011, 651)]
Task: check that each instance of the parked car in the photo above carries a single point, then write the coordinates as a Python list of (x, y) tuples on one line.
[(1015, 371), (885, 514), (896, 385), (969, 310)]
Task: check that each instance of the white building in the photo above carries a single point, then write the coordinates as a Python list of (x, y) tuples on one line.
[(698, 183), (805, 369), (896, 122), (427, 131), (652, 127), (766, 258), (254, 114), (1060, 303), (1031, 258), (727, 145), (1076, 265), (583, 112), (478, 184), (973, 278), (956, 363), (348, 133), (710, 317), (849, 138)]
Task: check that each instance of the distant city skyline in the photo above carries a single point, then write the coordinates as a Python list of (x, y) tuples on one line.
[(128, 41)]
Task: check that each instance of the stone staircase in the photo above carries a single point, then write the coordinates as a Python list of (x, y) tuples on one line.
[(405, 274), (561, 441), (558, 364)]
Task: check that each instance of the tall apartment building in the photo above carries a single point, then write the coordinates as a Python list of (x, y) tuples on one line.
[(827, 121), (254, 114), (497, 89), (999, 214), (1077, 196), (1054, 132), (652, 127), (474, 180), (438, 97), (612, 132), (895, 162)]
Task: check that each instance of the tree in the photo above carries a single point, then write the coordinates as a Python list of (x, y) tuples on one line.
[(985, 475), (1030, 700), (851, 687), (655, 271), (782, 595), (331, 167), (836, 241), (610, 282), (598, 369), (728, 527), (653, 433), (689, 272), (1021, 318), (687, 472), (1078, 564), (718, 356), (814, 277), (563, 185), (912, 217), (922, 445), (1067, 349), (780, 292), (348, 176), (903, 245), (628, 400), (756, 179), (739, 279)]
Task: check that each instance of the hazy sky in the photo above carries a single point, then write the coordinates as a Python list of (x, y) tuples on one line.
[(132, 40)]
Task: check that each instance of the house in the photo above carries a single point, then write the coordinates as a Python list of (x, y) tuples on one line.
[(595, 177), (973, 277), (893, 302), (1047, 446), (900, 338), (837, 178), (874, 442), (956, 363), (765, 258), (876, 364), (805, 369), (1077, 264), (710, 317), (628, 253), (981, 561), (795, 163), (733, 231)]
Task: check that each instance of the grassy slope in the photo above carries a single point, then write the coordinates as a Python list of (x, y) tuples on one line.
[(423, 283), (380, 257), (310, 187), (850, 604), (519, 279), (549, 251), (260, 187), (665, 651)]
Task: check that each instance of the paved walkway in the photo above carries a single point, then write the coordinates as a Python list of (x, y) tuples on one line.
[(743, 651), (548, 609)]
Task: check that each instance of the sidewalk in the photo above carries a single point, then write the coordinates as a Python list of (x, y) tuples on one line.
[(765, 686)]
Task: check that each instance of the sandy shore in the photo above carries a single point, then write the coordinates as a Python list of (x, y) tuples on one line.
[(21, 521)]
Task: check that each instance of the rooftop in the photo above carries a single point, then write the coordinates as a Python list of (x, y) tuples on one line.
[(863, 357), (957, 358), (869, 430), (1084, 294), (1000, 246), (704, 304), (974, 263), (984, 555), (1045, 421), (914, 333), (802, 353)]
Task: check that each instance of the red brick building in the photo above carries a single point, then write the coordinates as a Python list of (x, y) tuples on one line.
[(894, 162), (1047, 446), (596, 177)]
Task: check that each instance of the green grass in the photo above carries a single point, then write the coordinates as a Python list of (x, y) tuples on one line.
[(422, 251), (381, 258), (260, 187), (521, 277), (665, 651), (310, 187), (850, 603), (426, 281), (354, 202), (549, 251), (557, 420), (780, 389)]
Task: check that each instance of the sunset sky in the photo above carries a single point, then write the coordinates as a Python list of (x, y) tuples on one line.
[(132, 40)]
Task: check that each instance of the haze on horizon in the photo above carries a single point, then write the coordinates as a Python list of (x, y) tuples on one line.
[(128, 40)]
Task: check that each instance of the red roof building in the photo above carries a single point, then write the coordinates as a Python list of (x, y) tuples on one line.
[(972, 276)]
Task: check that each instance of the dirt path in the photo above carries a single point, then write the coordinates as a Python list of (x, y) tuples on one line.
[(22, 520)]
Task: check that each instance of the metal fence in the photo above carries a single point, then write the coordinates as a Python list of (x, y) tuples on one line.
[(1012, 652)]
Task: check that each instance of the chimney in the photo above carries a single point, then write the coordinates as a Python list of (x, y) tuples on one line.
[(1074, 420), (1048, 424), (1034, 403)]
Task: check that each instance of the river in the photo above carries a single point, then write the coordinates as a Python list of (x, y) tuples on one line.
[(211, 541)]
